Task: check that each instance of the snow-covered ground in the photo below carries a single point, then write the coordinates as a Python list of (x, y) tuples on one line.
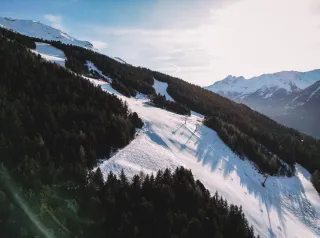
[(286, 207), (161, 88), (42, 31), (50, 53)]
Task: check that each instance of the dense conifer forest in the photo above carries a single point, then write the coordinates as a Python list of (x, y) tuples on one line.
[(161, 101), (54, 127)]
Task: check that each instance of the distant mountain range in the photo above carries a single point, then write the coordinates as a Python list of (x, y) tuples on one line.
[(42, 31), (291, 98)]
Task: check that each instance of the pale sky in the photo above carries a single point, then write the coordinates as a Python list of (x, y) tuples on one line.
[(199, 41)]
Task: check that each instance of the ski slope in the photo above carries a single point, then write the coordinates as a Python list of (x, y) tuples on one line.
[(286, 207), (50, 53)]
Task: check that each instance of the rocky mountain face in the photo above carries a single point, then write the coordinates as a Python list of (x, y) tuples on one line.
[(291, 98)]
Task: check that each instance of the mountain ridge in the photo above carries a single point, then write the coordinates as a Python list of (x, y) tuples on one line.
[(289, 80), (279, 95), (40, 30)]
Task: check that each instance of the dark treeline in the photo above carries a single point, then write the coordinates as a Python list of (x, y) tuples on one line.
[(54, 127), (162, 102), (61, 109), (245, 146), (18, 38), (121, 88), (76, 66), (165, 205), (259, 131)]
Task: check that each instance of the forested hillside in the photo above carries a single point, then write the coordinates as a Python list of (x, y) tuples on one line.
[(162, 102), (249, 133), (54, 126)]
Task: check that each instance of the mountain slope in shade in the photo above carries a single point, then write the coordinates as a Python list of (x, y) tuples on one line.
[(303, 111), (282, 96), (42, 31)]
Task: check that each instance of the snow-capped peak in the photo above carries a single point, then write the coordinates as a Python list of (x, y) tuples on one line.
[(42, 31), (290, 81)]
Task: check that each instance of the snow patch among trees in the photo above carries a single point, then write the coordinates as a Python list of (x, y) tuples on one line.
[(161, 88), (50, 53)]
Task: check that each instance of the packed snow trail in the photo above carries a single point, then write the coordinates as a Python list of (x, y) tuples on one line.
[(50, 53), (286, 207)]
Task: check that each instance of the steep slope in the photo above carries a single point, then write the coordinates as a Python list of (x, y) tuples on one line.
[(262, 135), (287, 207), (303, 111), (41, 31), (55, 126)]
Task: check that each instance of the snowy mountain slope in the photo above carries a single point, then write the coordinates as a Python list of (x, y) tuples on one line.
[(42, 31), (306, 96), (50, 53), (287, 207)]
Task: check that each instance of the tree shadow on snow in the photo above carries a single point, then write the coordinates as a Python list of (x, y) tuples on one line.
[(279, 193), (154, 137)]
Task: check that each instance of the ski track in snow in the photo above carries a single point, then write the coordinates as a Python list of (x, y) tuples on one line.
[(287, 207), (50, 53)]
